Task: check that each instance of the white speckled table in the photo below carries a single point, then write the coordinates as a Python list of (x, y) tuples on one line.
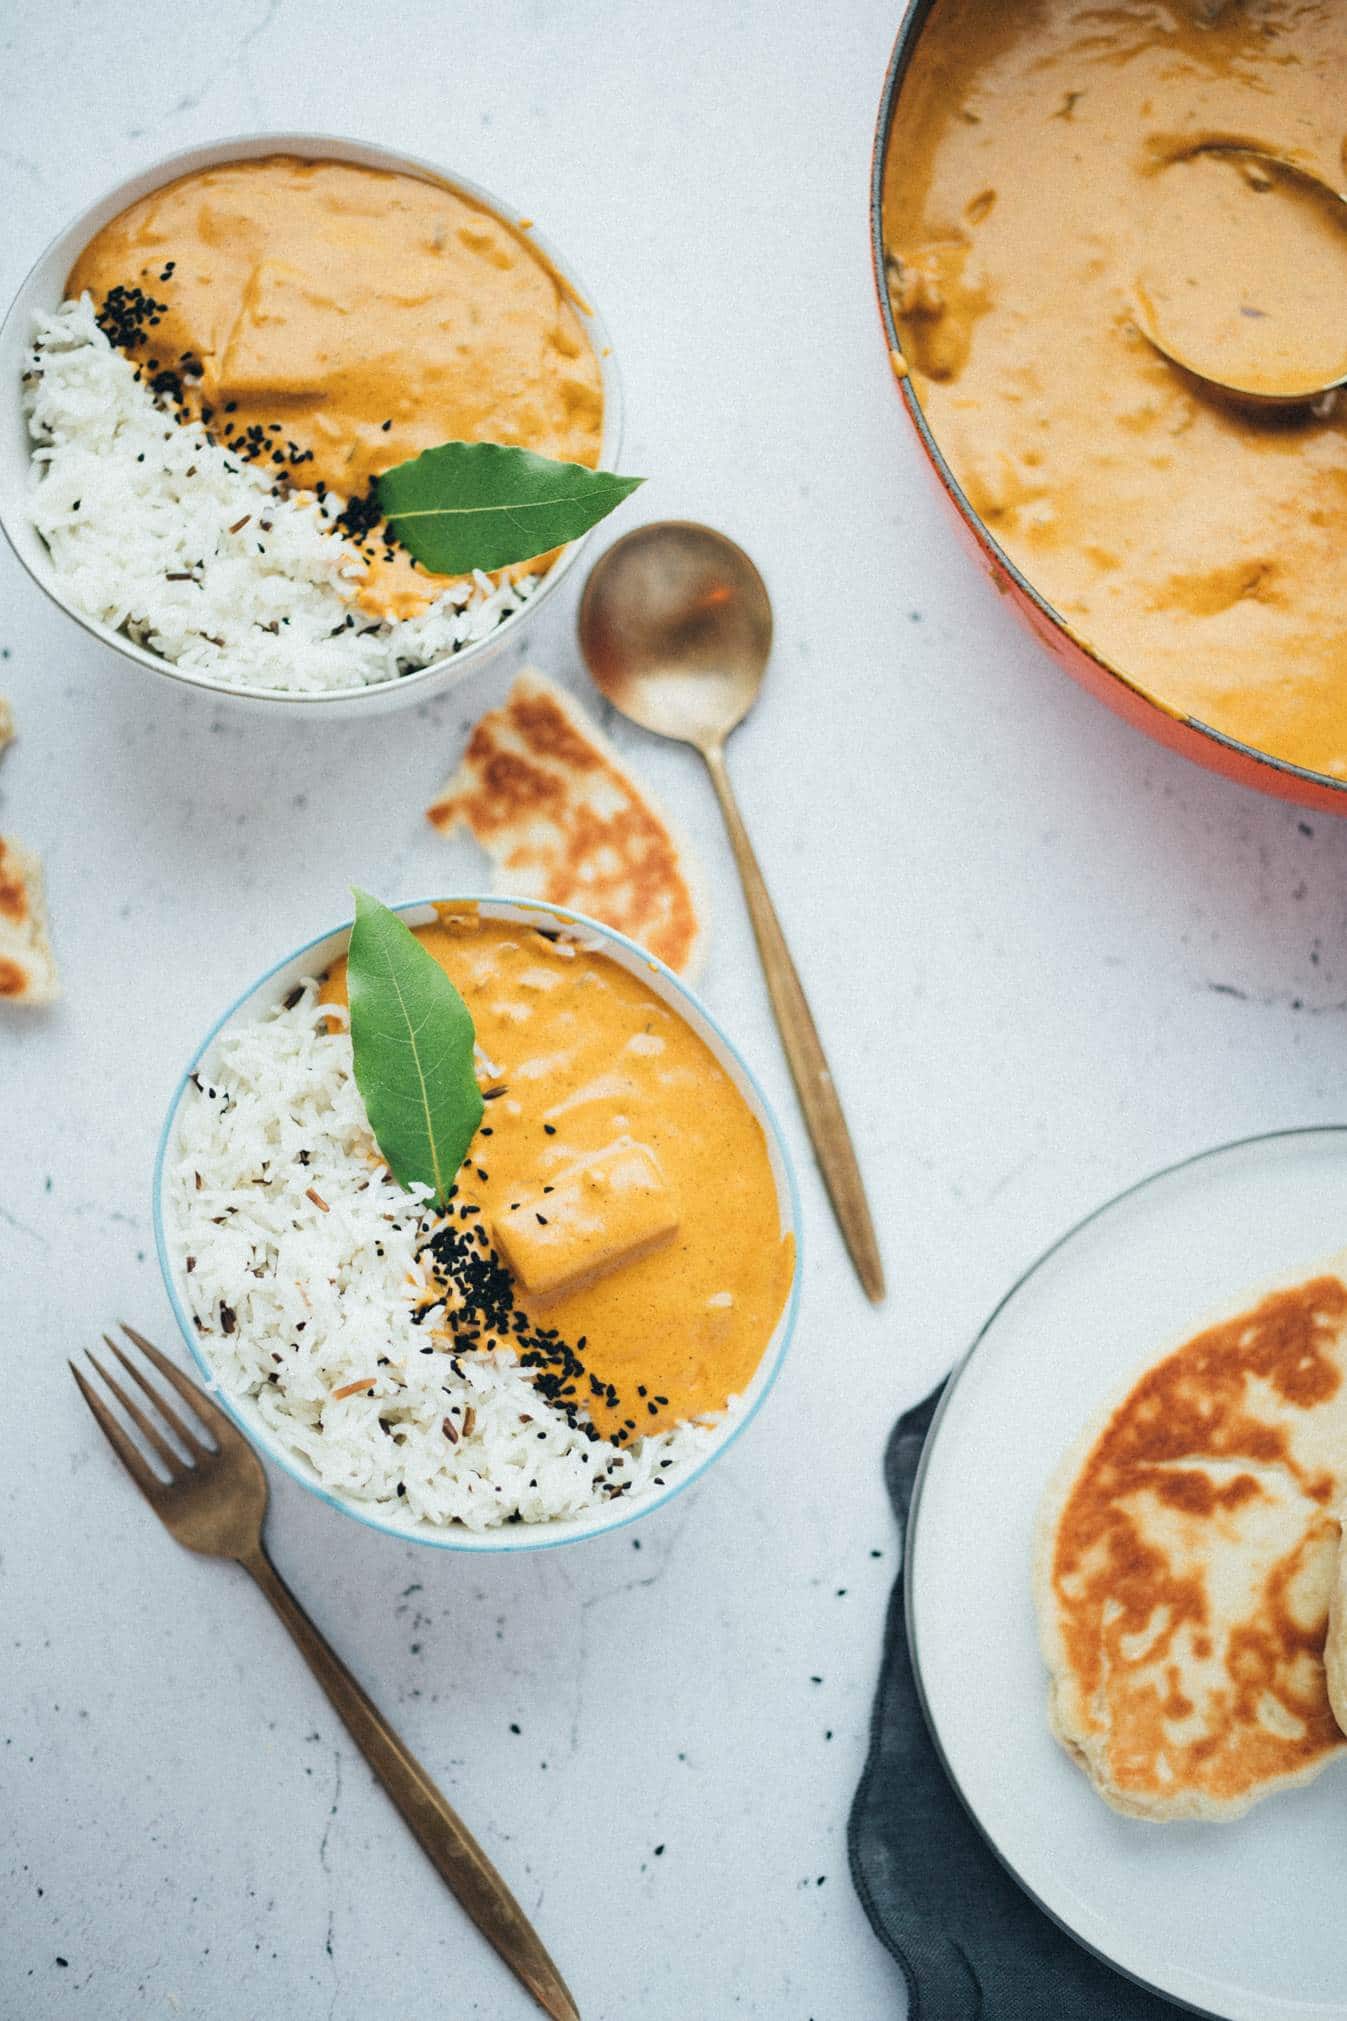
[(1045, 956)]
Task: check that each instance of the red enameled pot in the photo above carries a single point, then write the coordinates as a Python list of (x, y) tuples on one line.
[(1109, 684)]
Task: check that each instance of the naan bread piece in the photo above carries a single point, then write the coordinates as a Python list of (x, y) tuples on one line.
[(6, 722), (546, 795), (1186, 1558), (27, 965), (1335, 1648)]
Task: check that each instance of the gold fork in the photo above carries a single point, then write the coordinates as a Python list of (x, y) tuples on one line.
[(214, 1501)]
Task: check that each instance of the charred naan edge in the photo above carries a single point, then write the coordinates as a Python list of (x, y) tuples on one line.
[(547, 797), (27, 965), (1335, 1648), (1185, 1559)]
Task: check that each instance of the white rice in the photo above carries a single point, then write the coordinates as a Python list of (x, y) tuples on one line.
[(315, 1300), (127, 498)]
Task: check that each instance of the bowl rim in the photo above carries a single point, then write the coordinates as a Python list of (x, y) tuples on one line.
[(914, 21), (504, 1538), (361, 153)]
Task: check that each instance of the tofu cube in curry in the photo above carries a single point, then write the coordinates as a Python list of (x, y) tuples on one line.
[(613, 1207)]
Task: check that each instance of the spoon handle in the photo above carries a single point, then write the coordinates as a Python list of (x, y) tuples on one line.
[(823, 1116)]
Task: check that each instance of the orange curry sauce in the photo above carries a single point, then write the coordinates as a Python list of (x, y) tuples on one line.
[(353, 318), (621, 1172)]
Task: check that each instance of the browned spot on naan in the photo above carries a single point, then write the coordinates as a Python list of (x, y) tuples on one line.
[(544, 794), (14, 901)]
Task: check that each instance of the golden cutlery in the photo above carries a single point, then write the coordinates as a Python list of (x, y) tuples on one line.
[(676, 627), (213, 1500)]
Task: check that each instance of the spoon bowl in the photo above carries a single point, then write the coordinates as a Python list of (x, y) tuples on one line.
[(676, 628), (1279, 398), (1257, 382)]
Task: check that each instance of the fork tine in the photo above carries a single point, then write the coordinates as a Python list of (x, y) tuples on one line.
[(145, 1479), (143, 1423), (191, 1394), (156, 1397)]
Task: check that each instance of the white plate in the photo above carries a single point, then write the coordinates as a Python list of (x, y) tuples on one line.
[(1242, 1920)]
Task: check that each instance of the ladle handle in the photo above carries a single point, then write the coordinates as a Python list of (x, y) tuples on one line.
[(823, 1116)]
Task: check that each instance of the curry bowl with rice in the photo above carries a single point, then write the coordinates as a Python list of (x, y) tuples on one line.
[(227, 374), (586, 1315), (1056, 194)]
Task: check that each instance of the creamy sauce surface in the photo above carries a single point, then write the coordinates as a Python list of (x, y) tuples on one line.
[(1049, 185), (601, 1075), (362, 315)]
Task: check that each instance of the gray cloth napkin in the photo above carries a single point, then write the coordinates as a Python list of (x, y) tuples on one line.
[(972, 1945)]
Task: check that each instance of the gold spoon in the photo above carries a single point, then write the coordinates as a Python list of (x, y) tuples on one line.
[(676, 627), (1264, 394)]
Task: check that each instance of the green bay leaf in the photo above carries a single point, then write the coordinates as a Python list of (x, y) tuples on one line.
[(469, 505), (413, 1041)]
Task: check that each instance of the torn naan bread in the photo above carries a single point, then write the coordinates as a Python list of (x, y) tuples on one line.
[(1186, 1556), (27, 965), (546, 795)]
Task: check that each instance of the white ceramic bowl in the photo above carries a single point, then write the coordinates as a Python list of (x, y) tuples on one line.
[(45, 287), (312, 959)]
